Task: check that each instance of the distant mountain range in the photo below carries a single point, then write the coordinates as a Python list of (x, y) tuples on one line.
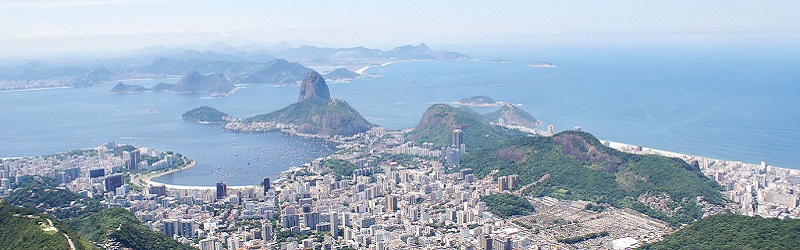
[(282, 64)]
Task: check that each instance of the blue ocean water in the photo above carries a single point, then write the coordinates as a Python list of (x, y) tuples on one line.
[(727, 103)]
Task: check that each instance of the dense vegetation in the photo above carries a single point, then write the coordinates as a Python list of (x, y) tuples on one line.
[(22, 228), (205, 114), (728, 231), (579, 167), (506, 205), (439, 121), (340, 168), (125, 228)]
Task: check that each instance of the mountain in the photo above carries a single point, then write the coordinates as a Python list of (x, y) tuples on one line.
[(728, 231), (576, 166), (206, 115), (511, 115), (122, 88), (163, 87), (412, 52), (197, 83), (327, 55), (439, 120), (341, 75), (314, 86), (279, 72), (316, 113)]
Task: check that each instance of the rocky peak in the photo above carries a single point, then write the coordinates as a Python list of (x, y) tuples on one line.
[(314, 86)]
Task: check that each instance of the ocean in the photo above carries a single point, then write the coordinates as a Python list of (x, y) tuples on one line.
[(731, 104)]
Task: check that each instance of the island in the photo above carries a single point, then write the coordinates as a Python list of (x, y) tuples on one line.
[(214, 84), (542, 64), (499, 60), (477, 101), (206, 115), (341, 75)]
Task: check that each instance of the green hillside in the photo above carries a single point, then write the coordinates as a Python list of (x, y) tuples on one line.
[(440, 120), (579, 167), (728, 231), (319, 116), (22, 228)]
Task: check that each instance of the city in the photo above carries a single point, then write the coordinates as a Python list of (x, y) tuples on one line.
[(378, 191)]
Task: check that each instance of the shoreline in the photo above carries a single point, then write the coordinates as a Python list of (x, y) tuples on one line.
[(32, 89), (361, 70), (147, 180)]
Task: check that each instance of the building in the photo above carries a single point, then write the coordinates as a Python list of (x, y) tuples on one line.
[(114, 181), (158, 190), (266, 185), (551, 129), (391, 203), (94, 173), (458, 137), (222, 190)]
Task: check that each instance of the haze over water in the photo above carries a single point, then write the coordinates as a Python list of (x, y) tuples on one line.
[(728, 104)]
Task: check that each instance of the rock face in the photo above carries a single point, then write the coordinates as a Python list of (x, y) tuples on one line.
[(512, 115), (197, 83), (314, 86)]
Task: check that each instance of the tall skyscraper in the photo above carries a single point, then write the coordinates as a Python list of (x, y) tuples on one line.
[(114, 181), (458, 137), (551, 129), (266, 185), (391, 203), (222, 190)]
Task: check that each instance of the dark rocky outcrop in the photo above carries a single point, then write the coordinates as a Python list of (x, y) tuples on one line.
[(314, 86)]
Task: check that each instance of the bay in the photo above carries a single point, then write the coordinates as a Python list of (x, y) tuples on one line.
[(730, 104)]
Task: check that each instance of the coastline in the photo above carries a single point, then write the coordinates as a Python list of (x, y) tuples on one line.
[(147, 180), (32, 89), (361, 70)]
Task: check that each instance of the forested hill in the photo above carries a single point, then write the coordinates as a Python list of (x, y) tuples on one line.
[(728, 231), (579, 167)]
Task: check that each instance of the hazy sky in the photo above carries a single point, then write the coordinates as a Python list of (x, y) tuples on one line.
[(41, 27)]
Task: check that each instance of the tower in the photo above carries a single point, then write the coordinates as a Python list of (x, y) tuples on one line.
[(266, 185), (222, 190), (458, 136)]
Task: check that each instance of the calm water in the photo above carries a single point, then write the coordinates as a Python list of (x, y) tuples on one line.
[(729, 104)]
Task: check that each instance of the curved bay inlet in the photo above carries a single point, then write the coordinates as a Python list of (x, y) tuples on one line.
[(730, 105)]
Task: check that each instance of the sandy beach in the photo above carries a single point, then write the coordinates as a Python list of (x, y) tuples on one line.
[(147, 180), (361, 70)]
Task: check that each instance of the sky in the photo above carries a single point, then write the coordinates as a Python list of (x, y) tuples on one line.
[(54, 27)]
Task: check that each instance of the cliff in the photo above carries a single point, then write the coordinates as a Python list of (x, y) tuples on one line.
[(314, 86)]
